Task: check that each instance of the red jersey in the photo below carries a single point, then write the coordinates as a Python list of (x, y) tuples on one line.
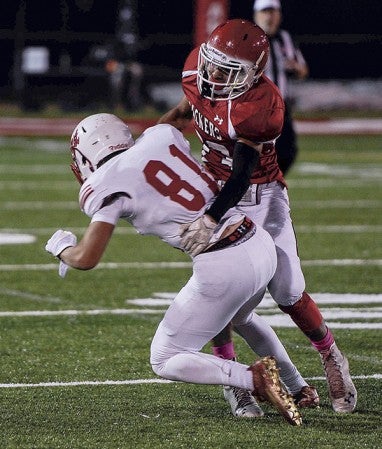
[(257, 115)]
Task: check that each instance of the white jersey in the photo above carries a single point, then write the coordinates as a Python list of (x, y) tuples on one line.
[(156, 185)]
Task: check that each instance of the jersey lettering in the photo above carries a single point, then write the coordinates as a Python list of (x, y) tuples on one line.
[(205, 125)]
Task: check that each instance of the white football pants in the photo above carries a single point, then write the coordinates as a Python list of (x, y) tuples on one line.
[(273, 214), (225, 285)]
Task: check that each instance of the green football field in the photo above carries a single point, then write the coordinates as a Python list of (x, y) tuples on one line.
[(75, 369)]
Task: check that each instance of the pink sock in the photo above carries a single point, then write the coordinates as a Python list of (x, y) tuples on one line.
[(225, 351), (325, 343)]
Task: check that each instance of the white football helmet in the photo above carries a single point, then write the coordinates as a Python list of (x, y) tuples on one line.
[(95, 140)]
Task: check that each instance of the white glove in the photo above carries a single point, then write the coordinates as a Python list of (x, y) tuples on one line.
[(195, 236), (57, 243)]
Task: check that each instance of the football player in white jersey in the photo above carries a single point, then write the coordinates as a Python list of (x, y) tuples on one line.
[(157, 186)]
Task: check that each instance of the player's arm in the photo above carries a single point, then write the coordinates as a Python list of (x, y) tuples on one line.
[(90, 249), (88, 252), (196, 235), (246, 155), (179, 116)]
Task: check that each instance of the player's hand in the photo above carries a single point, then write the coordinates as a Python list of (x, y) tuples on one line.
[(59, 241), (195, 236)]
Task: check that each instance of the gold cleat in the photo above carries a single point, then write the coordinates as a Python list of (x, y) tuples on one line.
[(268, 388)]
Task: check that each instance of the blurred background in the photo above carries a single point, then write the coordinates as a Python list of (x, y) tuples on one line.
[(110, 54)]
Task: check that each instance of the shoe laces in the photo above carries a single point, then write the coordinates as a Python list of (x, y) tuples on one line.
[(333, 372), (242, 396)]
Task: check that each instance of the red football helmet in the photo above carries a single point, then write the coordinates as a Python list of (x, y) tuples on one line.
[(232, 59)]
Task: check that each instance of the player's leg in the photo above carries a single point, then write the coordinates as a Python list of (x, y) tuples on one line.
[(222, 281), (201, 309), (342, 391), (241, 401), (212, 296), (287, 287), (261, 378), (204, 306), (198, 312), (263, 341)]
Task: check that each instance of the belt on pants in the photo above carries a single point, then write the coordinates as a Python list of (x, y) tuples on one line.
[(242, 233)]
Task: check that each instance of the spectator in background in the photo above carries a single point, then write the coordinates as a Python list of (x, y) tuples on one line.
[(125, 78), (285, 61), (125, 72)]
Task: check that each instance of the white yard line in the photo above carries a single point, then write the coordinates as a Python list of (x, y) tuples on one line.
[(300, 183), (327, 183), (336, 204), (105, 265), (275, 320), (79, 230), (361, 171), (314, 204), (39, 205), (42, 313), (16, 239), (15, 169), (87, 383), (342, 229), (181, 265), (166, 298), (341, 262), (97, 383), (29, 296), (123, 230), (334, 316)]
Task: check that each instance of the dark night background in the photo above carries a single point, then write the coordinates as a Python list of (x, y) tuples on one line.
[(340, 39)]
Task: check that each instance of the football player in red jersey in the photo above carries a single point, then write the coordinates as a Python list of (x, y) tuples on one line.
[(238, 113)]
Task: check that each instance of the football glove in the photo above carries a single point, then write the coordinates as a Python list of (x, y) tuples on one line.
[(62, 269), (59, 241), (195, 236)]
